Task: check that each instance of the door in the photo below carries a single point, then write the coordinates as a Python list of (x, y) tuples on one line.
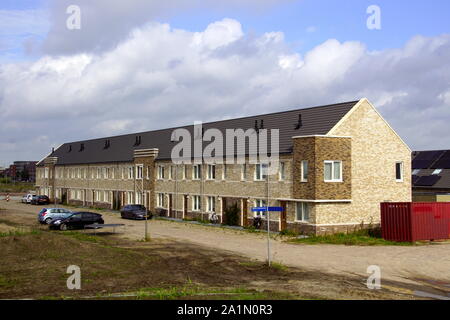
[(244, 212), (283, 215)]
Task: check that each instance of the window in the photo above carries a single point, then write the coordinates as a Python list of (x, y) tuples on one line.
[(416, 172), (224, 172), (304, 171), (184, 172), (148, 172), (399, 171), (138, 198), (98, 173), (282, 171), (333, 171), (196, 172), (244, 172), (211, 172), (139, 172), (260, 203), (160, 172), (211, 204), (261, 172), (302, 212), (104, 173), (108, 173), (130, 197), (196, 203), (46, 173), (160, 200), (130, 173), (436, 172)]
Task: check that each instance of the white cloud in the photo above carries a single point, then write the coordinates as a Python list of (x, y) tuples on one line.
[(160, 77)]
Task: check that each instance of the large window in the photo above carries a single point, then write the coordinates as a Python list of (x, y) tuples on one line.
[(138, 198), (260, 203), (224, 171), (196, 172), (139, 172), (244, 172), (304, 171), (302, 212), (282, 171), (211, 172), (160, 172), (160, 200), (399, 171), (211, 204), (333, 171), (196, 203), (261, 172)]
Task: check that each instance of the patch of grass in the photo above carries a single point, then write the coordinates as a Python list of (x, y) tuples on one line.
[(7, 283), (278, 266), (358, 238), (17, 187), (19, 233), (289, 233), (80, 236)]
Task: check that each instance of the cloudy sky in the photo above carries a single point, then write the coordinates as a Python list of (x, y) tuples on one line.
[(142, 64)]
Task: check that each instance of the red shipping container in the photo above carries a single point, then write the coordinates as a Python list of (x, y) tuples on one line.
[(409, 222)]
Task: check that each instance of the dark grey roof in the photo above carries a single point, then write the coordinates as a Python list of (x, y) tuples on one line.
[(427, 162), (315, 121)]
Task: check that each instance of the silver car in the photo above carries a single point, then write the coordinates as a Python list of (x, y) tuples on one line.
[(47, 215)]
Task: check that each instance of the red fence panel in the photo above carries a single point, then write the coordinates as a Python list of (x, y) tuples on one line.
[(409, 222)]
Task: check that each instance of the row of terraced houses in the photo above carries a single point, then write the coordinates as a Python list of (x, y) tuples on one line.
[(336, 164)]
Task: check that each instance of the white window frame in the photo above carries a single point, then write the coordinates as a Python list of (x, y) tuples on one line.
[(261, 170), (282, 171), (244, 172), (211, 172), (224, 171), (260, 203), (160, 200), (304, 165), (196, 203), (196, 172), (303, 206), (184, 172), (402, 168), (139, 172), (161, 172), (333, 179), (211, 204)]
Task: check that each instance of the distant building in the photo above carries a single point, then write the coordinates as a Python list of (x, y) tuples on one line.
[(21, 171), (431, 176)]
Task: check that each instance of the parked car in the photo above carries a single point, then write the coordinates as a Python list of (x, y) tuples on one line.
[(40, 200), (77, 220), (47, 215), (135, 211), (29, 197)]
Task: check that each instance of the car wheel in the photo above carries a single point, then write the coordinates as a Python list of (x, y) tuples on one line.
[(63, 227), (48, 220)]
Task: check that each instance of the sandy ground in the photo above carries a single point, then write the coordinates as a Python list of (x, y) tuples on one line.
[(411, 265)]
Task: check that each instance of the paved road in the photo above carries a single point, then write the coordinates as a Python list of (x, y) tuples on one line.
[(397, 263)]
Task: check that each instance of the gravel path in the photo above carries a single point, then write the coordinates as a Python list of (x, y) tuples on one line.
[(398, 263)]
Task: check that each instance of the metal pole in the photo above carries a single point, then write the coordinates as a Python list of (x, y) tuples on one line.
[(268, 218)]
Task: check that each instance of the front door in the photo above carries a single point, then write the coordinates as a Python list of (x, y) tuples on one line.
[(283, 215)]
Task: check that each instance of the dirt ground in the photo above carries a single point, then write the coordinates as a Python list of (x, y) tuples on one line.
[(315, 271)]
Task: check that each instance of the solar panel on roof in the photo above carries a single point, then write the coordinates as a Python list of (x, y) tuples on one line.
[(415, 178), (442, 164), (429, 155), (427, 181)]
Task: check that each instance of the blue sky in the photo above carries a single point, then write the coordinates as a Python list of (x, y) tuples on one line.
[(305, 23)]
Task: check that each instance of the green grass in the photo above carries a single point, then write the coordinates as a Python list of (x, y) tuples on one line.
[(359, 238), (19, 233), (80, 236), (17, 187)]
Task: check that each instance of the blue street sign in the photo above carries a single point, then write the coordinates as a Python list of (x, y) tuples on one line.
[(264, 209)]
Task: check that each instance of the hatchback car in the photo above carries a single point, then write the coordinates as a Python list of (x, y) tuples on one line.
[(40, 200), (77, 220), (47, 215), (134, 211)]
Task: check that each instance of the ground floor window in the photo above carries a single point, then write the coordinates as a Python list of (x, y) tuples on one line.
[(211, 204), (302, 212), (196, 203), (138, 198), (260, 203), (160, 200), (129, 197)]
